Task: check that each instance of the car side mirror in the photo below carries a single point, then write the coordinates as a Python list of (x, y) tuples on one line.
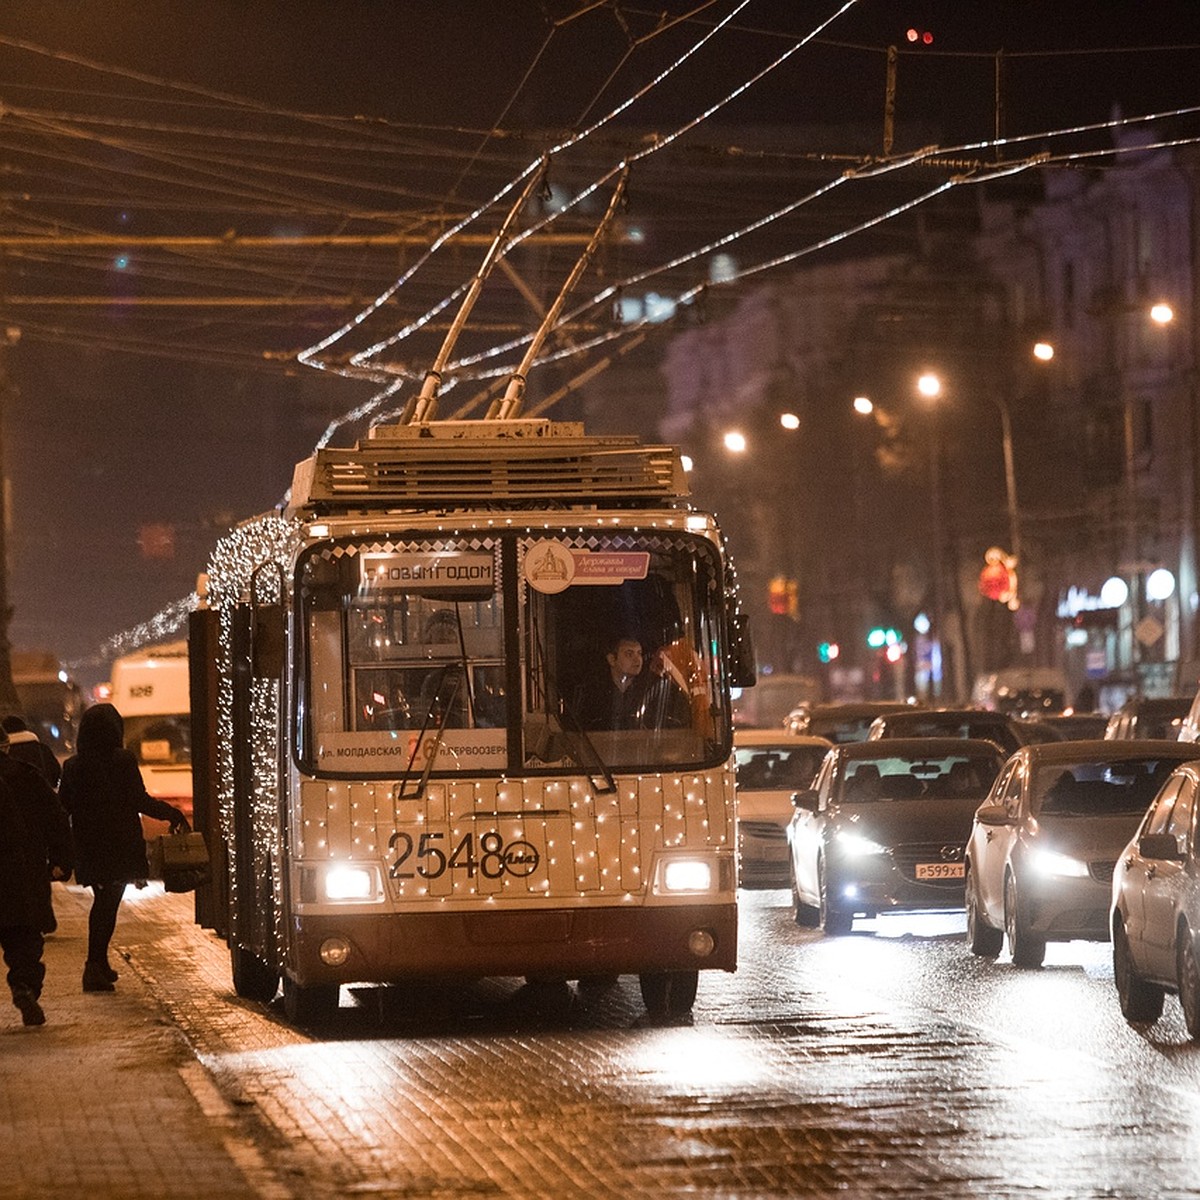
[(993, 814), (1162, 846), (809, 800)]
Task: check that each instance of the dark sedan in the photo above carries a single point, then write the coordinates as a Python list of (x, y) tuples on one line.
[(840, 723), (884, 827), (1006, 731)]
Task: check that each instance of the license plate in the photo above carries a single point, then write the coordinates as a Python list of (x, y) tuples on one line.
[(943, 870)]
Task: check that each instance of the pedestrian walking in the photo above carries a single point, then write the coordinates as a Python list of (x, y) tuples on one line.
[(24, 744), (103, 792), (34, 791), (35, 846)]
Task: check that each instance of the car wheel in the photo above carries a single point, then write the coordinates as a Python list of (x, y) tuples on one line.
[(835, 921), (807, 915), (1140, 1001), (1188, 975), (669, 993), (313, 1005), (1026, 948), (984, 939)]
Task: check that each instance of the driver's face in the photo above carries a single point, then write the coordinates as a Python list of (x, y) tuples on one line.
[(627, 658)]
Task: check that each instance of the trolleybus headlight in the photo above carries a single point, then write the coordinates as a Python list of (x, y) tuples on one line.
[(349, 883), (687, 875), (701, 943), (334, 951)]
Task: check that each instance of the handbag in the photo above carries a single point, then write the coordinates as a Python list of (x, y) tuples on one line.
[(180, 860)]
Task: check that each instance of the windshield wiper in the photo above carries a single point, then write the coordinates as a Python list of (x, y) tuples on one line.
[(452, 675)]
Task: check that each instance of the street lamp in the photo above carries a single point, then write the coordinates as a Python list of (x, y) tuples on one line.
[(929, 386)]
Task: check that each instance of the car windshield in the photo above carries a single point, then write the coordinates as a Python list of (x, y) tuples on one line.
[(903, 777), (1104, 788), (764, 768)]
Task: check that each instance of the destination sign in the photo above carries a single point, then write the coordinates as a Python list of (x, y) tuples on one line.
[(432, 571)]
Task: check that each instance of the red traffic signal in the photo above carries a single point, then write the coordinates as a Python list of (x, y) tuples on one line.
[(783, 596), (777, 595)]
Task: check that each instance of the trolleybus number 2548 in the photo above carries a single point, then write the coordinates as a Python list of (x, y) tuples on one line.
[(491, 856)]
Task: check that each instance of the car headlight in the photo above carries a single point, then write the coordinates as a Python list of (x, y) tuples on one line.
[(1051, 862), (857, 846)]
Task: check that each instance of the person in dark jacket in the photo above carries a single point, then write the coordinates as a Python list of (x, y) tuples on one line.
[(33, 789), (103, 792), (35, 845), (634, 694), (24, 744)]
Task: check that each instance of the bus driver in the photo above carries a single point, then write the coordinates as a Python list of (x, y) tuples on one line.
[(636, 695)]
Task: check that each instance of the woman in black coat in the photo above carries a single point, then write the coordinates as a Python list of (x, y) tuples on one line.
[(103, 792)]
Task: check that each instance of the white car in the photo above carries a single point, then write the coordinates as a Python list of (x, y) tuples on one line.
[(772, 766), (1045, 843)]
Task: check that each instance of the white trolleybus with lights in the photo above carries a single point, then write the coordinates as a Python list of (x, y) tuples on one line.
[(399, 765)]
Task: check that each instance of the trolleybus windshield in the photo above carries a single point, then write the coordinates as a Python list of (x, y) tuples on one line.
[(489, 655)]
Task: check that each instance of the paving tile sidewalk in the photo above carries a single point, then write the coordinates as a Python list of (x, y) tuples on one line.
[(107, 1099)]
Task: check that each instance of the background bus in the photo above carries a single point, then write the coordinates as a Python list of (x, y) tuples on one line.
[(51, 701), (150, 690)]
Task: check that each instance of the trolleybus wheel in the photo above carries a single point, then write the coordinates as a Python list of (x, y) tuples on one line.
[(669, 993), (252, 978), (314, 1005)]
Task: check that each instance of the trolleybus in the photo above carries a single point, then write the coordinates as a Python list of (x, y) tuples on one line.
[(410, 766), (400, 779)]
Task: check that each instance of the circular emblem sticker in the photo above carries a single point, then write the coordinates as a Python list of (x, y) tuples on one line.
[(549, 567)]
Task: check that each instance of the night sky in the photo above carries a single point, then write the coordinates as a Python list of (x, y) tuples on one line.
[(128, 425)]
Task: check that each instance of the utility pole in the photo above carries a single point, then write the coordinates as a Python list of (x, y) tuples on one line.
[(9, 701)]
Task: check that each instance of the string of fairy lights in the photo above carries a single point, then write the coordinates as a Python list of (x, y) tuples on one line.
[(225, 172)]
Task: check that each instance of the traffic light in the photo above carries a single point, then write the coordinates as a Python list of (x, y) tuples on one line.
[(783, 596), (828, 651), (777, 595), (883, 635), (921, 37)]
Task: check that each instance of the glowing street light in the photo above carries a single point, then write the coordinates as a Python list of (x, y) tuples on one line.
[(789, 420), (1043, 351), (735, 442), (929, 385), (863, 405), (1162, 313)]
